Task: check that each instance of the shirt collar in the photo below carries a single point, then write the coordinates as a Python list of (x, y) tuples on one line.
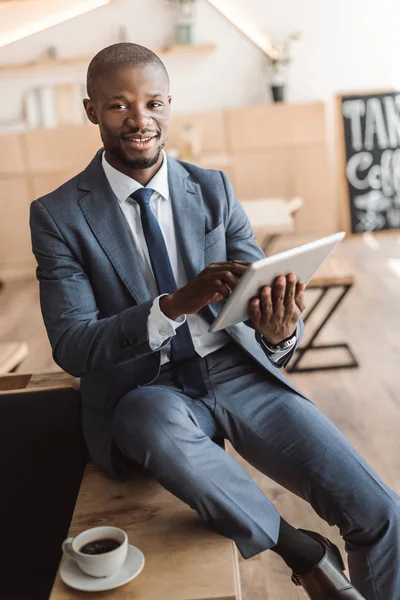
[(123, 186)]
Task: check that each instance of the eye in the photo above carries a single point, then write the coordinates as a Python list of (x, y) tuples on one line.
[(118, 106), (155, 104)]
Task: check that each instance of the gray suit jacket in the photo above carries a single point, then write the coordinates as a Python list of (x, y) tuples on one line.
[(93, 295)]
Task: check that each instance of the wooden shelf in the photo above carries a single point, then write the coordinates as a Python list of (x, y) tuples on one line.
[(84, 60), (186, 49)]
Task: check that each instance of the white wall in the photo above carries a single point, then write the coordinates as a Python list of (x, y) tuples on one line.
[(347, 45), (229, 76)]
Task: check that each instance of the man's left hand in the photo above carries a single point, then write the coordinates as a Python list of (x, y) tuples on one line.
[(275, 312)]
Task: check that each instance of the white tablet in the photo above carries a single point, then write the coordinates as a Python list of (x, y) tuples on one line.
[(303, 261)]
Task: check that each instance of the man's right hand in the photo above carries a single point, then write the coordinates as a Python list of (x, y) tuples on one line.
[(214, 283)]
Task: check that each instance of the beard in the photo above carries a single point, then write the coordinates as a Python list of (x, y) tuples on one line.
[(140, 163)]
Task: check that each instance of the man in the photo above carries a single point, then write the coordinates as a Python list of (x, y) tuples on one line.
[(134, 255)]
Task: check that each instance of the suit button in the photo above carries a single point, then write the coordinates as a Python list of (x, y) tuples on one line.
[(130, 341)]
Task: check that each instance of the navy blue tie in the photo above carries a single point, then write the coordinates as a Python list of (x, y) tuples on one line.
[(183, 354)]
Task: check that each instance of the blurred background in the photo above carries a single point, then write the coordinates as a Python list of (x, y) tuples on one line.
[(297, 102)]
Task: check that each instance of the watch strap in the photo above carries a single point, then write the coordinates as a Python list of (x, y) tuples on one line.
[(283, 345)]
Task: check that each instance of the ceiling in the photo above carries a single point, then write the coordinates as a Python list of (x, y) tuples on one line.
[(21, 18)]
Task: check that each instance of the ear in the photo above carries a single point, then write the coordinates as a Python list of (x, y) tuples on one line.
[(90, 111), (169, 100)]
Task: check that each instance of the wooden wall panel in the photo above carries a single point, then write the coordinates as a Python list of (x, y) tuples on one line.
[(15, 241), (261, 175), (42, 184), (51, 150), (267, 151), (311, 179), (11, 154), (273, 126), (209, 126)]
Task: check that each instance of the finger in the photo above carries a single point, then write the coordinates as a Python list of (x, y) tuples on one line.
[(216, 298), (278, 295), (255, 311), (266, 303), (300, 302), (228, 278), (221, 288), (235, 267), (290, 292), (300, 287), (228, 262)]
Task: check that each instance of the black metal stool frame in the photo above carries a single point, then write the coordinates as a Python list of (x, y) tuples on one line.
[(311, 346)]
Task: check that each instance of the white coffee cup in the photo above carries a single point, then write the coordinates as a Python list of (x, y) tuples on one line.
[(98, 565)]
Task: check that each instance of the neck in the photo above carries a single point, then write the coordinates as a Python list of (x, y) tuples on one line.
[(142, 176)]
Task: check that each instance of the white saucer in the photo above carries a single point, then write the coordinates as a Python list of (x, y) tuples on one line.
[(71, 574)]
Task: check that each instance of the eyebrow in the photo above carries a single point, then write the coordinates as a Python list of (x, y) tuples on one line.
[(125, 99), (117, 97)]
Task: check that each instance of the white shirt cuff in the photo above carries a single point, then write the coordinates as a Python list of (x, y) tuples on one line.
[(159, 326), (277, 355)]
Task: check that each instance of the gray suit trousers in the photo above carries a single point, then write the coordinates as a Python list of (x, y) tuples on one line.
[(285, 437)]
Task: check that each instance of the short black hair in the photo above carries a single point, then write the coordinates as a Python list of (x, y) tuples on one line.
[(124, 54)]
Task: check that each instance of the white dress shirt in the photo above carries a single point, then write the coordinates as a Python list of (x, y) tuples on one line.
[(160, 327)]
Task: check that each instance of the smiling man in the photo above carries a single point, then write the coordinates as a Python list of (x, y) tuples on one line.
[(128, 148), (133, 255)]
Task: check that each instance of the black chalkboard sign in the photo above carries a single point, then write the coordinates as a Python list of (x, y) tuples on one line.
[(370, 127)]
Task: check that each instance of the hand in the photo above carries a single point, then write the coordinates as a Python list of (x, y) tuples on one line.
[(275, 312), (214, 283)]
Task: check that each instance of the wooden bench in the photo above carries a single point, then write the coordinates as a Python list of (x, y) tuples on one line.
[(324, 285), (185, 559)]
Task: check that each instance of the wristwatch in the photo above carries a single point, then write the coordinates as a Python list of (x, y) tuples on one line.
[(284, 345)]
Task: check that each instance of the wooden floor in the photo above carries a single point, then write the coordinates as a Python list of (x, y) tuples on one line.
[(364, 403)]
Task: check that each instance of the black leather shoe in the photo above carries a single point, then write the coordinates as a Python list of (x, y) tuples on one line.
[(326, 580)]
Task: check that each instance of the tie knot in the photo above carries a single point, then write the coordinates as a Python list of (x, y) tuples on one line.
[(142, 196)]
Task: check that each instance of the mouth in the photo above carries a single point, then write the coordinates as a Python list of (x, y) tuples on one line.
[(139, 142)]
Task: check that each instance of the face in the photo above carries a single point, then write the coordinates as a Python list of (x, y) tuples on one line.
[(132, 108)]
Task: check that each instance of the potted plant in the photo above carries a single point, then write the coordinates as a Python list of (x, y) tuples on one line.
[(278, 60), (185, 17)]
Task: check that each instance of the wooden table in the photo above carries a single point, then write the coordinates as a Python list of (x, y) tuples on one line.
[(271, 216)]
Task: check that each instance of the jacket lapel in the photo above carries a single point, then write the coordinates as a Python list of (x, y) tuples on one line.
[(189, 217), (107, 222)]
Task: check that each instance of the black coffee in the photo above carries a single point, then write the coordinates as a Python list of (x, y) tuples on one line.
[(100, 546)]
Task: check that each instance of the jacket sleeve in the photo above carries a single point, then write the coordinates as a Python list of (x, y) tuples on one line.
[(81, 340), (242, 245)]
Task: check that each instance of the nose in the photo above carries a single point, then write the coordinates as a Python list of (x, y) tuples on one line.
[(139, 117)]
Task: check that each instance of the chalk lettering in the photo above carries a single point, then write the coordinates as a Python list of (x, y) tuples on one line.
[(392, 110), (371, 125), (354, 110), (359, 162), (375, 125)]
